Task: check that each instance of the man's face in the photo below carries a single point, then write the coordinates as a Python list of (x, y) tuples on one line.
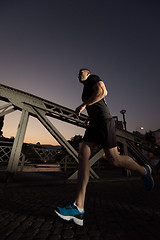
[(83, 75)]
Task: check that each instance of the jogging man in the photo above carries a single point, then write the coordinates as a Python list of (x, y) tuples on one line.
[(100, 131)]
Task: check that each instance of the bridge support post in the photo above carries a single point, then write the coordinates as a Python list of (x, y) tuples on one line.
[(18, 142)]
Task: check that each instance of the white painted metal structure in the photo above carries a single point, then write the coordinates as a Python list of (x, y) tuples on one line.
[(40, 108)]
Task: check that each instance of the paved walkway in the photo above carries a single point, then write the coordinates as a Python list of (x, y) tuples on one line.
[(115, 210)]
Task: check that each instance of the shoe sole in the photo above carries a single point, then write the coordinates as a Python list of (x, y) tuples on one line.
[(150, 170), (69, 218)]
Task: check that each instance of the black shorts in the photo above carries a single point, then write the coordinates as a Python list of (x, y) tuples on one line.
[(102, 133)]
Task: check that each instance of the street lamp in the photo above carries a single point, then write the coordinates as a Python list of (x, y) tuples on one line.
[(140, 129), (124, 121)]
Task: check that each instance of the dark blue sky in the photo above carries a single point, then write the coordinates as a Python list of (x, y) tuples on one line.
[(43, 45)]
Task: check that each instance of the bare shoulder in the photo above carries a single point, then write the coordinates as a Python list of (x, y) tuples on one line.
[(99, 84)]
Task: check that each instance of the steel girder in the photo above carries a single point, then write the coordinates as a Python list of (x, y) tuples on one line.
[(41, 108)]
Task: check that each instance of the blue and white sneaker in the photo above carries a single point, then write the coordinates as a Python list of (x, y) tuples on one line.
[(70, 213), (147, 179)]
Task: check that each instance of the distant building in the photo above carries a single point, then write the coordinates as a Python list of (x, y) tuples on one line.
[(157, 136)]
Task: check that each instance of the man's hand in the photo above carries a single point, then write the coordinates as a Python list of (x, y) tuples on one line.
[(80, 109)]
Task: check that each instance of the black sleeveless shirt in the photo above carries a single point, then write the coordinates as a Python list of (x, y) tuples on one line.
[(98, 110)]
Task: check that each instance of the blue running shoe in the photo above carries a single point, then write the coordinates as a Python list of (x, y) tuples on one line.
[(70, 213), (147, 179)]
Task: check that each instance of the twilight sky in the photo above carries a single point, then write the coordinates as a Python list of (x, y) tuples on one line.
[(44, 43)]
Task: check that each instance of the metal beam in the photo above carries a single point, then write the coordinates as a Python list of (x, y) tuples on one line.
[(17, 98), (41, 108), (54, 132), (18, 142), (5, 106), (59, 137), (4, 109)]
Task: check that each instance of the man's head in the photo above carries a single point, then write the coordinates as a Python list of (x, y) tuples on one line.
[(83, 74)]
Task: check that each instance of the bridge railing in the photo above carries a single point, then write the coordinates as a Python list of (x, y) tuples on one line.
[(30, 154)]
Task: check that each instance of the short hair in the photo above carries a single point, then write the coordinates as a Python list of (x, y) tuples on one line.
[(86, 69)]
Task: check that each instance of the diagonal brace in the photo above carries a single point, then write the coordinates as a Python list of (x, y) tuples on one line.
[(57, 135)]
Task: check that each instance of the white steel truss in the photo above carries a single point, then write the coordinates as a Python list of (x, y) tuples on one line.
[(40, 108)]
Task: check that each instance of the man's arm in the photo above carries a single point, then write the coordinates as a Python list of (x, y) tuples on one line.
[(99, 93)]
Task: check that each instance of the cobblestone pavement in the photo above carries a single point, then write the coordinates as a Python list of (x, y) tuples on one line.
[(115, 210)]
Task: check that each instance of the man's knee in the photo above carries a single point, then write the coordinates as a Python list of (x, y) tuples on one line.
[(84, 151), (82, 156), (114, 161), (113, 157)]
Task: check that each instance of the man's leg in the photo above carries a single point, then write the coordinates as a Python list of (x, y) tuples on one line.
[(75, 211), (123, 161), (85, 149), (127, 162)]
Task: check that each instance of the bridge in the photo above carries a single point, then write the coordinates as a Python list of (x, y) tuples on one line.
[(31, 105)]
